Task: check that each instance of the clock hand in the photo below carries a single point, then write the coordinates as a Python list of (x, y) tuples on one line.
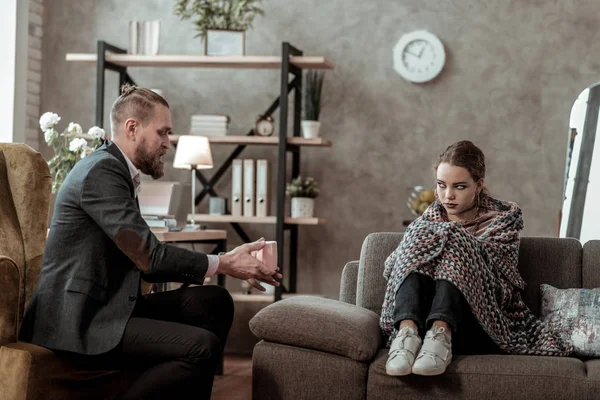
[(421, 52), (412, 54)]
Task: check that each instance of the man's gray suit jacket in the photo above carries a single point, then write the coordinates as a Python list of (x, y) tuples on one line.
[(98, 249)]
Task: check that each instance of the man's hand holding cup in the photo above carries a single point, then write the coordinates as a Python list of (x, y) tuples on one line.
[(255, 262)]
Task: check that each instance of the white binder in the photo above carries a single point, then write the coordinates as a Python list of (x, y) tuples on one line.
[(249, 188), (262, 188), (237, 193)]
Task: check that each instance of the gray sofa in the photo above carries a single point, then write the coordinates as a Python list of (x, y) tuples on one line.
[(316, 348)]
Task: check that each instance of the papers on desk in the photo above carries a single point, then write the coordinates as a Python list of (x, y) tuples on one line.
[(154, 221), (164, 203)]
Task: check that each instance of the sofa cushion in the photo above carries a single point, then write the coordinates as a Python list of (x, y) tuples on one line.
[(485, 377), (321, 324), (555, 261), (574, 315)]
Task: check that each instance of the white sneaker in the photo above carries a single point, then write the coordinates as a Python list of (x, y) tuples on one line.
[(436, 353), (403, 351)]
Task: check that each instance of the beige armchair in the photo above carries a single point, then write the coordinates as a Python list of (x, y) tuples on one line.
[(29, 372)]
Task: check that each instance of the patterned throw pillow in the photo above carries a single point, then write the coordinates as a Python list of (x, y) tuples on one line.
[(575, 315)]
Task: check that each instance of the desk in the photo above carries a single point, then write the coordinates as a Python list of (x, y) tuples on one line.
[(205, 236)]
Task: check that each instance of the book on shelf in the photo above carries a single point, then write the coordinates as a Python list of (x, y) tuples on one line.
[(237, 192), (263, 193), (249, 187), (205, 125), (209, 125), (211, 118)]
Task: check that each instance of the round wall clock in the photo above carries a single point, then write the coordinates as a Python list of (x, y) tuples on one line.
[(419, 56)]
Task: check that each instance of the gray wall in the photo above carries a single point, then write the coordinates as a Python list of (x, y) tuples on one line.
[(514, 69)]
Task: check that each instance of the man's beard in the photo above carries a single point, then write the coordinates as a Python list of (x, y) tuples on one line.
[(148, 163)]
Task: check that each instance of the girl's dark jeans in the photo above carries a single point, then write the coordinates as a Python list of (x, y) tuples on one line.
[(424, 301)]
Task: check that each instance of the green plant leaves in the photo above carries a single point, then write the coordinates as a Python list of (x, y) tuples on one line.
[(313, 85), (221, 14), (302, 187)]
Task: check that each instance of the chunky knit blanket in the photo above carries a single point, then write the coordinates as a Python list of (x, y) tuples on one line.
[(483, 268)]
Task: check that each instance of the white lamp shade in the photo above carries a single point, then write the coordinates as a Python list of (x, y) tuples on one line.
[(193, 152)]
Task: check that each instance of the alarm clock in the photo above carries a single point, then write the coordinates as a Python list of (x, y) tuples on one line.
[(419, 56), (265, 126)]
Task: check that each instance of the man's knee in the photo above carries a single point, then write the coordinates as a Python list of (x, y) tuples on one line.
[(205, 345), (208, 295), (220, 297)]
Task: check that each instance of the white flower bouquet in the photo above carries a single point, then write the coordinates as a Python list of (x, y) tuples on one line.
[(69, 146)]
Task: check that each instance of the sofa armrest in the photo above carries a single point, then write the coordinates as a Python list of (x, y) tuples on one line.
[(370, 288), (591, 264), (320, 324), (348, 284), (10, 280)]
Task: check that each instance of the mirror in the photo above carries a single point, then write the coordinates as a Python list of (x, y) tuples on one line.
[(580, 215)]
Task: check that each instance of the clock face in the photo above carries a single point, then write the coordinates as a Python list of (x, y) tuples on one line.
[(264, 128), (419, 56)]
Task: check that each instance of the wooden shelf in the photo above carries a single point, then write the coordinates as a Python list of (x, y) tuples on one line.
[(260, 140), (258, 297), (199, 61), (255, 220)]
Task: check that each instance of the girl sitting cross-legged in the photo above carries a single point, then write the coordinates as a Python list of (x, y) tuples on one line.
[(454, 277)]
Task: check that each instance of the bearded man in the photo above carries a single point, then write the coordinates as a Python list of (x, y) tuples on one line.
[(88, 304)]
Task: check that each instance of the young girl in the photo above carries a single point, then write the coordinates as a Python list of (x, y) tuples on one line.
[(455, 276)]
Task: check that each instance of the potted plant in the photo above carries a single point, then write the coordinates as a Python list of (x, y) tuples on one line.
[(312, 103), (69, 146), (303, 192), (220, 23)]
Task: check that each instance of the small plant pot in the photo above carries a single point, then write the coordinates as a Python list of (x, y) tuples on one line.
[(225, 43), (303, 207), (310, 129)]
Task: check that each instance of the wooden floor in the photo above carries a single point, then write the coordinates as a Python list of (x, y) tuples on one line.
[(236, 381)]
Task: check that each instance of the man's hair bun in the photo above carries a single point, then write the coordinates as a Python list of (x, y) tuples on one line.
[(127, 89)]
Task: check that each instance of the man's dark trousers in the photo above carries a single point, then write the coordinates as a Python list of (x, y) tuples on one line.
[(176, 337)]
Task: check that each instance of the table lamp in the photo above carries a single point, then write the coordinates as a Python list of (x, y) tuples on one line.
[(193, 152)]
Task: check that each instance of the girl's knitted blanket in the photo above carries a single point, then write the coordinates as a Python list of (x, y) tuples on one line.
[(483, 268)]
